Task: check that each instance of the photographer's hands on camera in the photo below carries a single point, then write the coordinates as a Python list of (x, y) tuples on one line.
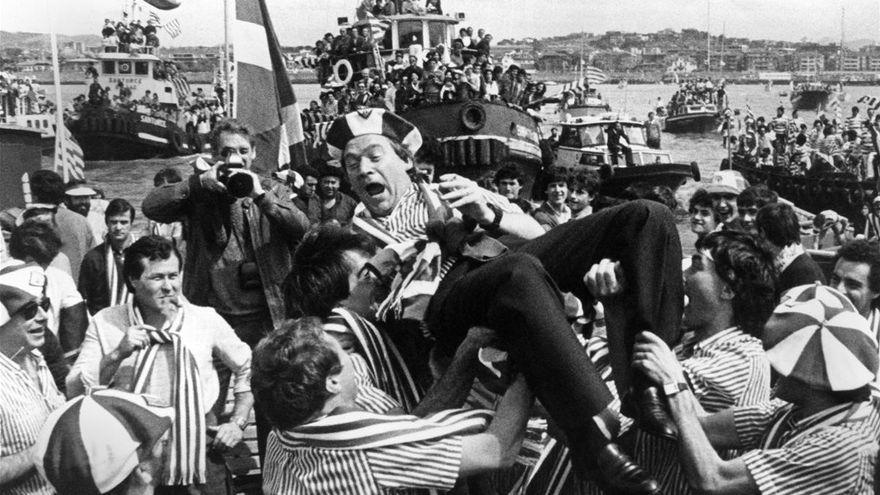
[(211, 179)]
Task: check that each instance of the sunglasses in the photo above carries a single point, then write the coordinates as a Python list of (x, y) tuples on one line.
[(29, 310)]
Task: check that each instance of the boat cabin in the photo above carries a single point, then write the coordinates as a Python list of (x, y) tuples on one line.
[(406, 30), (139, 72), (583, 142)]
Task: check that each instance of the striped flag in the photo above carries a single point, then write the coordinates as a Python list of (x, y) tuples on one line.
[(69, 155), (595, 75), (264, 97), (181, 85), (871, 101), (172, 27), (155, 17), (377, 26)]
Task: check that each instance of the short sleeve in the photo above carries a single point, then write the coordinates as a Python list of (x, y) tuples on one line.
[(68, 295), (831, 461), (429, 464), (752, 421), (369, 397)]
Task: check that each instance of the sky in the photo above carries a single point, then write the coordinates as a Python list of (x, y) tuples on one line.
[(299, 22)]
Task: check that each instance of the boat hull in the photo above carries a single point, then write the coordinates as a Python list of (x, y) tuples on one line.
[(671, 175), (699, 122), (113, 135), (809, 100), (840, 192), (473, 138)]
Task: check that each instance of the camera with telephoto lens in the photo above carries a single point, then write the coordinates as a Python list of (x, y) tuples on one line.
[(238, 184)]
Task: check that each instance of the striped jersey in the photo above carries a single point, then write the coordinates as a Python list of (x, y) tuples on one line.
[(852, 124), (779, 125), (832, 451), (23, 409)]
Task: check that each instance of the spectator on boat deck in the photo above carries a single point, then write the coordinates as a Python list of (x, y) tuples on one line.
[(162, 345), (29, 394), (554, 210), (100, 278), (108, 30), (73, 228), (239, 238), (872, 224), (433, 7), (411, 7), (618, 143), (704, 219), (509, 182), (777, 223), (583, 189), (749, 202), (386, 7), (839, 225), (652, 131), (484, 46), (794, 444), (854, 121), (723, 190)]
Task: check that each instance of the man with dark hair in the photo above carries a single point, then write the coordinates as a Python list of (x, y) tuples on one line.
[(583, 188), (554, 210), (76, 236), (173, 230), (704, 218), (857, 276), (310, 384), (28, 394), (331, 205), (516, 291), (240, 230), (100, 282), (161, 345), (508, 180), (32, 247), (777, 223), (750, 201)]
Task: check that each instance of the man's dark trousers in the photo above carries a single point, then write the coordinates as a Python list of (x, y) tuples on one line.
[(518, 295)]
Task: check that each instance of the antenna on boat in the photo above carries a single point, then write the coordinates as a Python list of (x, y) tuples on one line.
[(59, 105), (708, 36)]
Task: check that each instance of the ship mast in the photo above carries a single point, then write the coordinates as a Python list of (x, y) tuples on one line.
[(59, 105), (841, 50), (708, 37)]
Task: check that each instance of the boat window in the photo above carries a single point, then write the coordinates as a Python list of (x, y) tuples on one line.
[(36, 124), (125, 67), (406, 30), (635, 134), (593, 135), (437, 33), (570, 137), (108, 67), (141, 68), (387, 42), (29, 124)]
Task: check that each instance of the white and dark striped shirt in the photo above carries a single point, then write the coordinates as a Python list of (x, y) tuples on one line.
[(23, 409), (833, 451)]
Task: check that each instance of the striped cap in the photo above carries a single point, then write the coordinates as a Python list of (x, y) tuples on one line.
[(90, 445), (371, 121), (12, 299), (816, 336)]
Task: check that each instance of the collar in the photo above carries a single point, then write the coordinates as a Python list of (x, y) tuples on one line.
[(718, 338), (35, 355), (788, 254)]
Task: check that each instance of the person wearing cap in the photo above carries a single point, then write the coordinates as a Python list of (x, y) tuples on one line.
[(78, 198), (872, 224), (109, 442), (160, 344), (331, 205), (724, 188), (778, 225), (856, 274), (76, 235), (100, 281), (819, 435), (516, 292), (730, 287), (28, 393)]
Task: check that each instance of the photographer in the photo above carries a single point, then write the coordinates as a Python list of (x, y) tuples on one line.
[(240, 230)]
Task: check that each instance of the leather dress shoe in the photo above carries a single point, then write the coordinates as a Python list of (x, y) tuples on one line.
[(618, 474), (647, 408)]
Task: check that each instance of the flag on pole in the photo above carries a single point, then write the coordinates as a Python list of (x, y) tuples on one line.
[(595, 75), (172, 27), (264, 98), (155, 17), (68, 155)]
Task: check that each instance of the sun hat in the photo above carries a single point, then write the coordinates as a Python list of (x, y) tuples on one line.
[(727, 182)]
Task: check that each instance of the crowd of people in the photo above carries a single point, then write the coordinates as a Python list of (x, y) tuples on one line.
[(371, 333), (129, 36), (789, 145), (695, 92), (21, 96)]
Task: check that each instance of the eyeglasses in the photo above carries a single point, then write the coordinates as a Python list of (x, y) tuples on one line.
[(29, 310)]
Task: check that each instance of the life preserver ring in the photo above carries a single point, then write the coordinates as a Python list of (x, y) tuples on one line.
[(349, 71), (695, 171), (472, 116)]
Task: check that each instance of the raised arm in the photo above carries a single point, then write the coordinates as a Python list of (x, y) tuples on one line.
[(474, 202), (171, 202)]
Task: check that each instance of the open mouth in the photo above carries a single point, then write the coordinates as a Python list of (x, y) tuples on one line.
[(374, 189)]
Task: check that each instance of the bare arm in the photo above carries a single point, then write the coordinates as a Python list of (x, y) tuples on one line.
[(16, 466), (471, 200), (499, 445), (705, 470)]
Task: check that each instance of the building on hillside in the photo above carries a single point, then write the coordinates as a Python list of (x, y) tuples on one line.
[(556, 62), (809, 62)]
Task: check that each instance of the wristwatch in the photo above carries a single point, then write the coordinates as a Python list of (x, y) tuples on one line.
[(496, 222), (238, 421), (673, 388)]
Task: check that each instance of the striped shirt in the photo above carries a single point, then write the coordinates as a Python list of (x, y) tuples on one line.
[(833, 451), (23, 410)]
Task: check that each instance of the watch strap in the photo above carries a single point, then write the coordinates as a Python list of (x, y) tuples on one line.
[(673, 388)]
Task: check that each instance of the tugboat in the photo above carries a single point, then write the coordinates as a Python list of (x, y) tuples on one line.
[(810, 96), (583, 145), (696, 117), (14, 111), (471, 137), (108, 132), (591, 104)]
